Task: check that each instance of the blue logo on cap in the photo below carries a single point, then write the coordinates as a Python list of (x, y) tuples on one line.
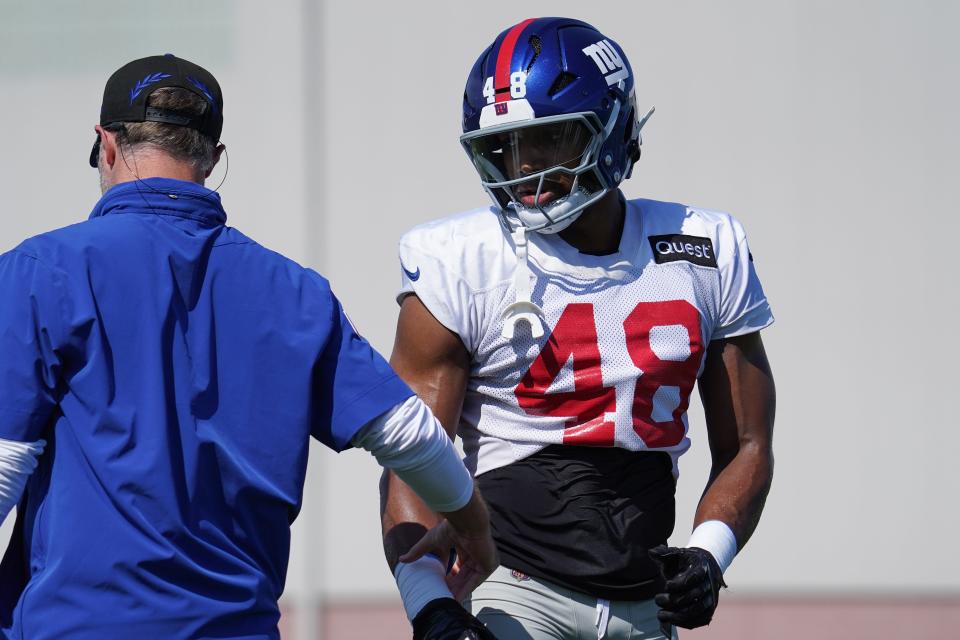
[(146, 82), (203, 89)]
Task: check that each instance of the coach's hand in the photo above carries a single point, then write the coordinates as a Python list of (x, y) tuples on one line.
[(444, 619), (692, 590), (467, 531)]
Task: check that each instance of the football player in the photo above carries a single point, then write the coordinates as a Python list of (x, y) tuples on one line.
[(560, 333)]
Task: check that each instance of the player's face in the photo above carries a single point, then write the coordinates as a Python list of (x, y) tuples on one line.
[(536, 149), (531, 150)]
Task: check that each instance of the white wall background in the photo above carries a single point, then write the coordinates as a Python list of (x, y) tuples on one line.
[(829, 128)]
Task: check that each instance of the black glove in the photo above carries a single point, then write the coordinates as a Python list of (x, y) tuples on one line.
[(692, 590), (445, 619)]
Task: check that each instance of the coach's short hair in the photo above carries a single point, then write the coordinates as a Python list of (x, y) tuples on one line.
[(182, 143)]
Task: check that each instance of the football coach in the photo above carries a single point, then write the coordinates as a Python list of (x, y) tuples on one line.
[(161, 375)]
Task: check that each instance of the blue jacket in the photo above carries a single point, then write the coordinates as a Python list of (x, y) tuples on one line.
[(176, 369)]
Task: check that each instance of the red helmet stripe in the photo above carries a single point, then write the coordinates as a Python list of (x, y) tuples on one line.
[(501, 78)]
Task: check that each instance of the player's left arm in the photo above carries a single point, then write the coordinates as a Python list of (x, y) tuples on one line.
[(739, 400)]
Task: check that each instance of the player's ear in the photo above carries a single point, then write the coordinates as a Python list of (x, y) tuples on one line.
[(108, 145)]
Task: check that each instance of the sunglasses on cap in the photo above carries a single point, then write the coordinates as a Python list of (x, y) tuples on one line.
[(95, 152)]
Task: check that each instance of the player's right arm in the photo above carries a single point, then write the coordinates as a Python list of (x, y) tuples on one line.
[(434, 362)]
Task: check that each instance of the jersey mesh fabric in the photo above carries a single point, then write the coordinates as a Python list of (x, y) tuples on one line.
[(466, 265)]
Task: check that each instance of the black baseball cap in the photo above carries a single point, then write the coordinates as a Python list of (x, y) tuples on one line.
[(125, 96)]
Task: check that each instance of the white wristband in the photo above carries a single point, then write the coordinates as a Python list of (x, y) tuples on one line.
[(420, 582), (717, 538)]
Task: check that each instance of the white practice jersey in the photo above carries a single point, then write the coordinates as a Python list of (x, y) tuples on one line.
[(625, 334)]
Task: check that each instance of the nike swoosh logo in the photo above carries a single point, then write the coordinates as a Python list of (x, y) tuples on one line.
[(413, 275)]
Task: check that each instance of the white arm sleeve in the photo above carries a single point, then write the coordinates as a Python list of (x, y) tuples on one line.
[(409, 440), (17, 462)]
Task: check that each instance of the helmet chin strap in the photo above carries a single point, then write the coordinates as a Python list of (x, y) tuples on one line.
[(522, 309)]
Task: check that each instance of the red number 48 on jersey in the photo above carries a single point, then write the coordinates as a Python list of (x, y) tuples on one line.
[(585, 408)]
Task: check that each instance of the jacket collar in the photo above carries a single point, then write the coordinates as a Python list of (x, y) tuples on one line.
[(163, 196)]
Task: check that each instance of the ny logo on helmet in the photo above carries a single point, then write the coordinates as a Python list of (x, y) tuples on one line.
[(608, 61)]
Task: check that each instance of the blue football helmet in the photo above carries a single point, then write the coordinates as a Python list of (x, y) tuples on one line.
[(550, 121)]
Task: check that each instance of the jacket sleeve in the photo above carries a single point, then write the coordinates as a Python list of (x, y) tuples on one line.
[(33, 300)]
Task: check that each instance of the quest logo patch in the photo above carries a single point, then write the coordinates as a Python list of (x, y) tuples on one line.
[(677, 247)]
